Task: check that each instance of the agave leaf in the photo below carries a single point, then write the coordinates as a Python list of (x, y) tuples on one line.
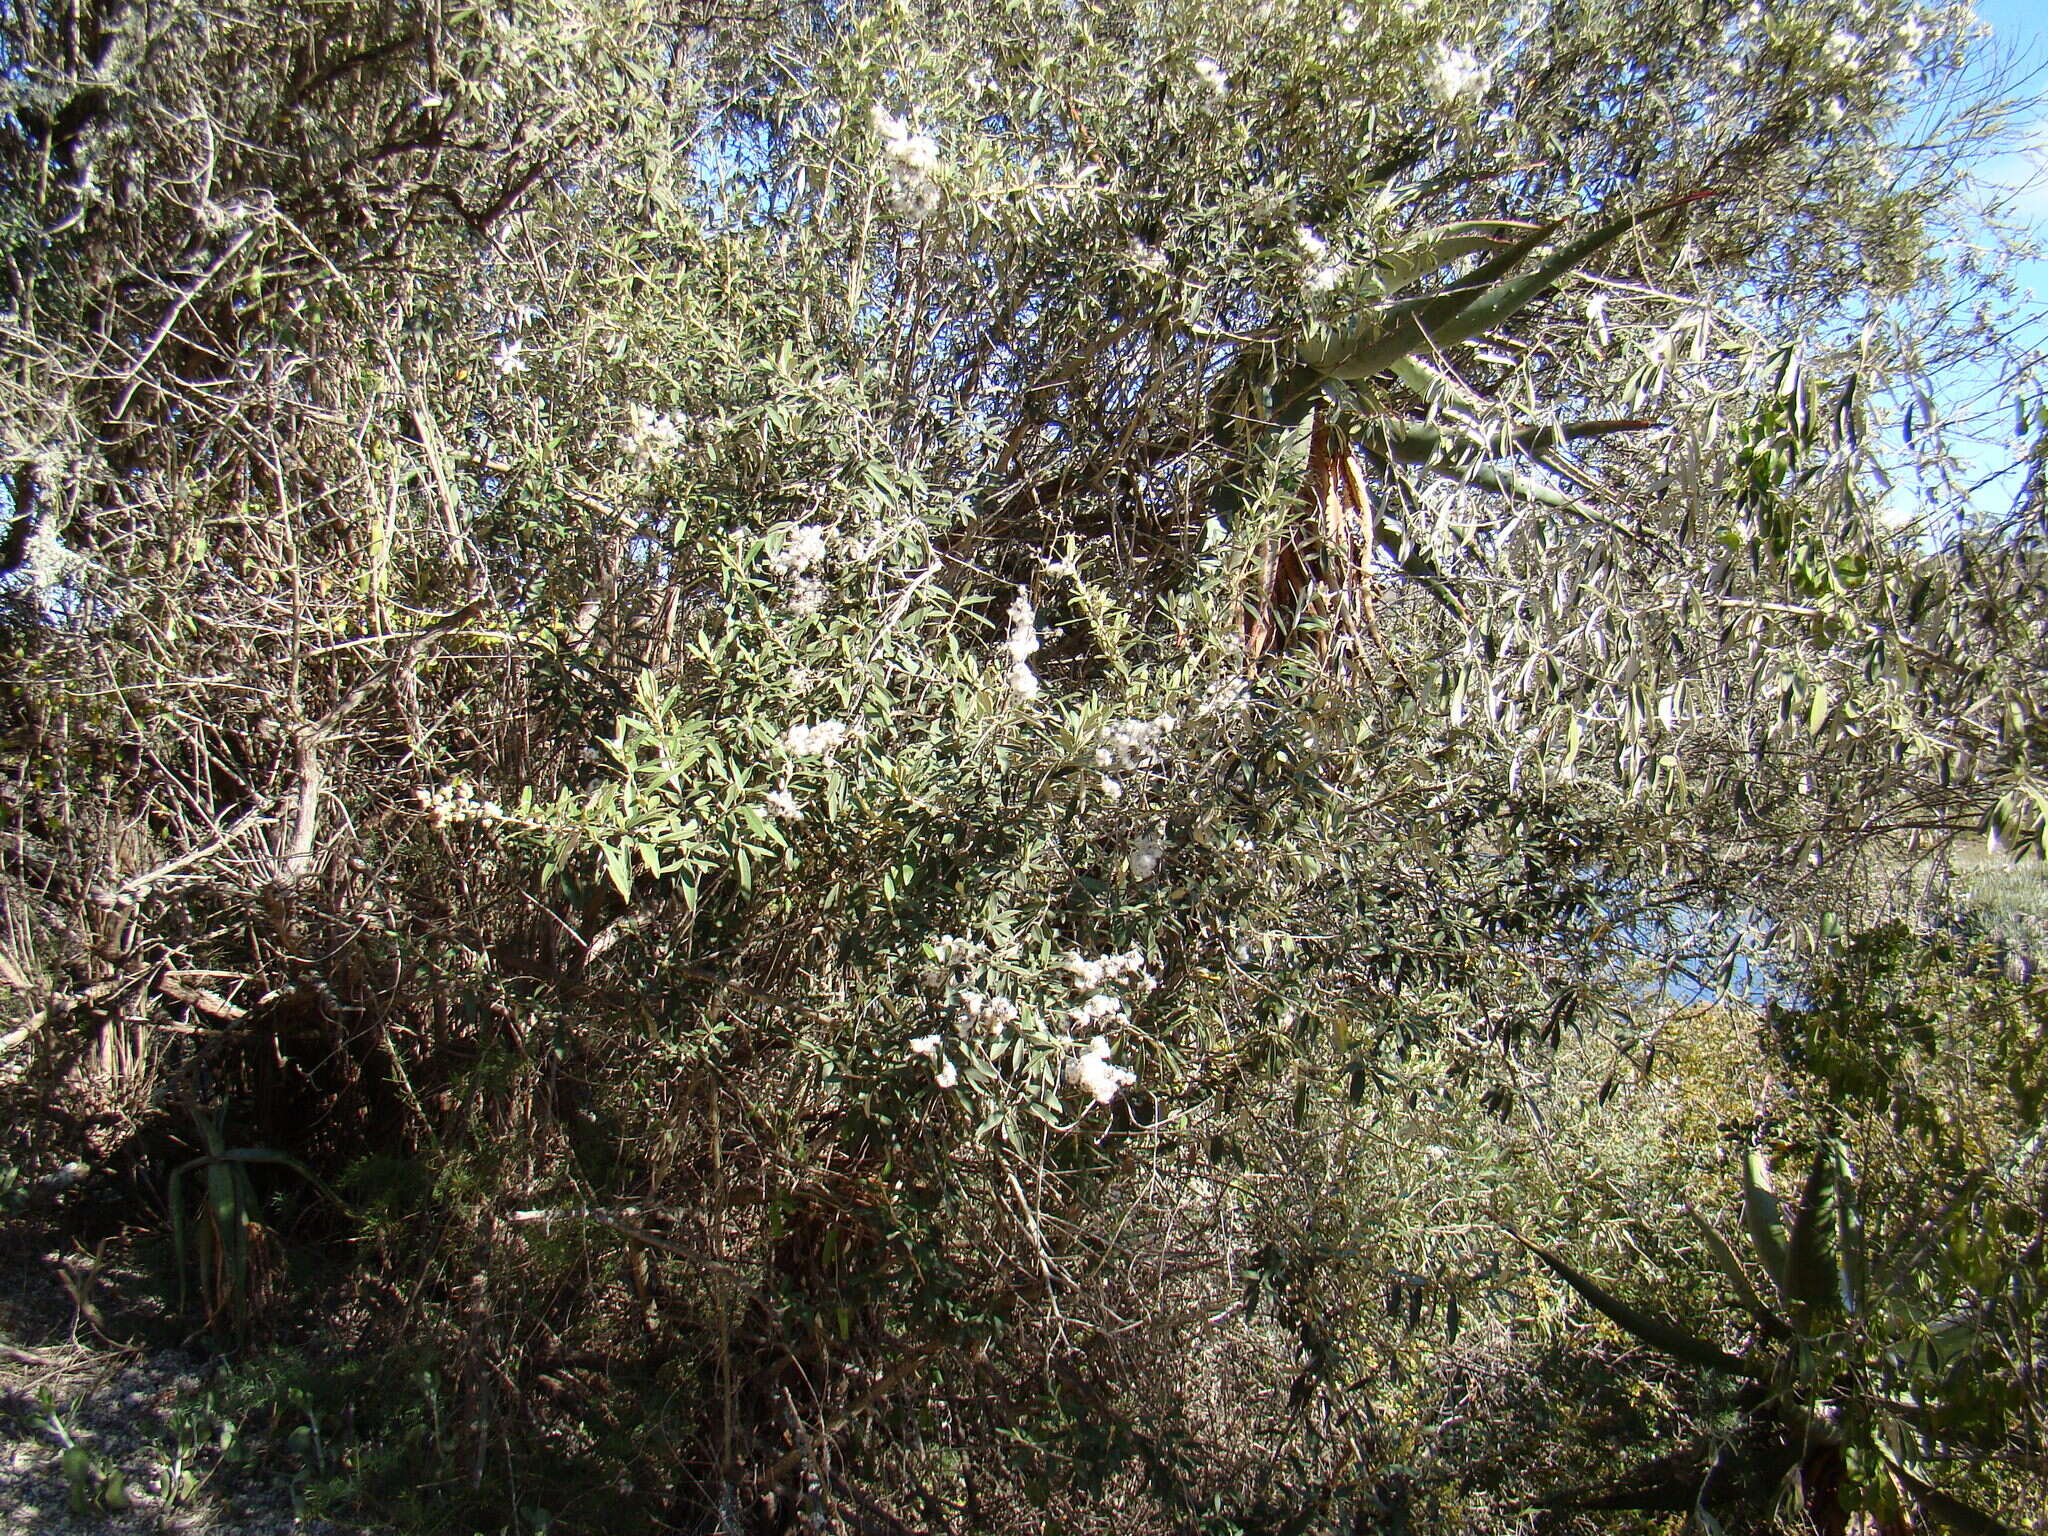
[(1945, 1509), (1725, 1260), (1451, 325), (1763, 1220), (1491, 477), (1437, 248), (1850, 1263), (176, 1195), (1395, 330), (1486, 299), (1540, 440), (282, 1160), (1813, 1259), (1653, 1331), (1438, 387)]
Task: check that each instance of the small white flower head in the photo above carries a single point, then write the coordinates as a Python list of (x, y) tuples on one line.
[(1456, 73), (1148, 258), (456, 803), (1213, 75), (1096, 1010), (1325, 277), (1021, 680), (801, 551), (1148, 848), (1832, 111), (946, 1076), (1134, 743), (1093, 1070), (1348, 20), (1125, 970), (1113, 788), (782, 806), (913, 164), (807, 596), (1843, 47), (508, 359), (917, 154), (926, 1046), (1313, 246), (817, 740), (1022, 643), (1226, 696), (994, 1014), (651, 434)]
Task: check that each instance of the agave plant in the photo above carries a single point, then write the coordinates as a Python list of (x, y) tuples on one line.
[(232, 1247), (1838, 1389), (1337, 421)]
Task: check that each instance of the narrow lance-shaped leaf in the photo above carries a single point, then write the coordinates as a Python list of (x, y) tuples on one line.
[(1812, 1268), (1945, 1509), (1439, 247), (1761, 1218), (1469, 309), (1849, 1251), (1725, 1260), (1653, 1331)]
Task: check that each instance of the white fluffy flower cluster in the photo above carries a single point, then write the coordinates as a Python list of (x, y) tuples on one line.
[(1213, 75), (1225, 696), (1147, 850), (1092, 1069), (1134, 743), (796, 561), (1098, 1009), (933, 1049), (993, 1013), (1324, 271), (782, 806), (1128, 969), (1456, 73), (817, 740), (1020, 646), (913, 164), (458, 802), (651, 435)]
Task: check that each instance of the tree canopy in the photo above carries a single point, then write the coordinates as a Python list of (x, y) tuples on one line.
[(946, 765)]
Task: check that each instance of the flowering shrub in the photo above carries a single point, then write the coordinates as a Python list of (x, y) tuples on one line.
[(972, 726)]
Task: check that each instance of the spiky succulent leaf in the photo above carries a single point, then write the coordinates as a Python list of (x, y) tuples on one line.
[(1763, 1220), (1725, 1260), (1850, 1260), (1813, 1264), (1656, 1332), (1488, 298)]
